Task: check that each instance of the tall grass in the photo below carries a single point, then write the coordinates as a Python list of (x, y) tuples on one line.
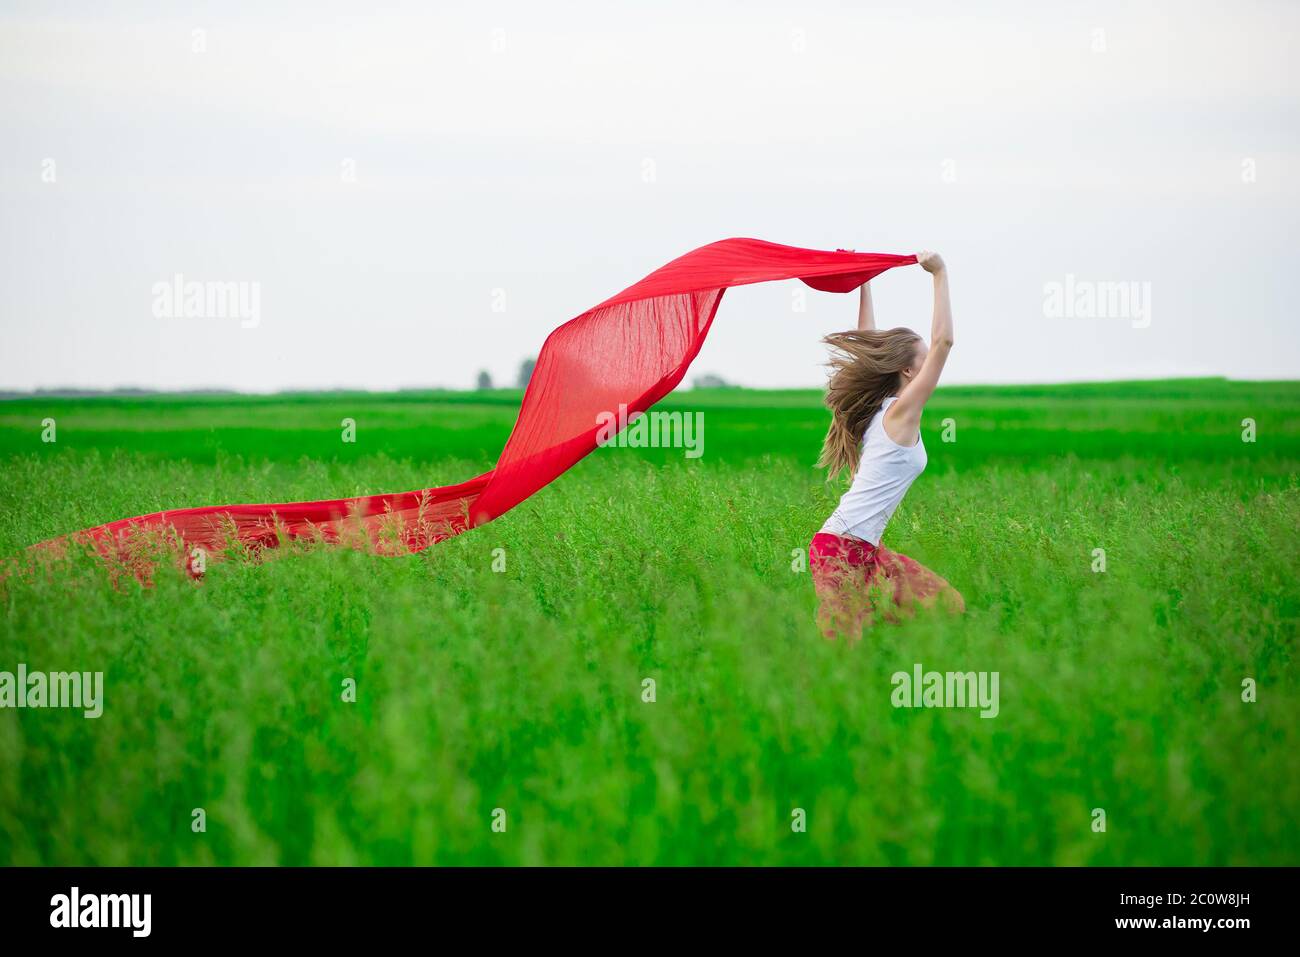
[(524, 689)]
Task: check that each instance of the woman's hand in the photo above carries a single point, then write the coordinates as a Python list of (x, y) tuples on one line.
[(930, 262)]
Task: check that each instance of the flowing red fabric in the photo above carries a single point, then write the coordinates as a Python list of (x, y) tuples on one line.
[(632, 349)]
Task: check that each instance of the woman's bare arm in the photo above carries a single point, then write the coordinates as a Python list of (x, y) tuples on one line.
[(866, 313), (904, 416)]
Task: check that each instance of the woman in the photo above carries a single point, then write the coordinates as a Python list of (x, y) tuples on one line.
[(879, 384)]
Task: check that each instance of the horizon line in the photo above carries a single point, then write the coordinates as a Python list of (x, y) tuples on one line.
[(125, 391)]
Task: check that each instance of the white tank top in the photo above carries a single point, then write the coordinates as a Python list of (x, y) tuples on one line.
[(885, 473)]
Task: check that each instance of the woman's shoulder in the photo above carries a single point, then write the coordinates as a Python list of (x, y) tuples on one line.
[(877, 423), (884, 407)]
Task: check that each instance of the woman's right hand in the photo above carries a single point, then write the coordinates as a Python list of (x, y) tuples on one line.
[(930, 262)]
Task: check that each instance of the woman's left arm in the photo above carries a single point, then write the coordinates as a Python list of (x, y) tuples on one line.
[(866, 313)]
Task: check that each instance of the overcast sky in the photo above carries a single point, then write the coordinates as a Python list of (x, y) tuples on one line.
[(422, 191)]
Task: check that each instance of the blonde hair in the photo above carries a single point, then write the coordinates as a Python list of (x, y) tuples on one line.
[(866, 369)]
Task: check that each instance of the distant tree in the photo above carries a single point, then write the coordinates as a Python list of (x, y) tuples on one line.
[(711, 381), (526, 372), (484, 380)]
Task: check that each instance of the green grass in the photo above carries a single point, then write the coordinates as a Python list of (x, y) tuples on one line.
[(522, 689)]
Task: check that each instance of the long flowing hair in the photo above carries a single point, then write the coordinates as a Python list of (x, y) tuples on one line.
[(866, 369)]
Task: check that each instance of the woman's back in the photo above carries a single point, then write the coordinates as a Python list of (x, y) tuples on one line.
[(886, 470)]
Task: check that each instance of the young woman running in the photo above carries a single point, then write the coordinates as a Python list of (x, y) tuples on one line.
[(879, 384)]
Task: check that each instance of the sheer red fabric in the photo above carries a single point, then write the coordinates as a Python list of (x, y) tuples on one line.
[(631, 349)]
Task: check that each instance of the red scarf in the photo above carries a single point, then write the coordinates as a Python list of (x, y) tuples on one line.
[(632, 349)]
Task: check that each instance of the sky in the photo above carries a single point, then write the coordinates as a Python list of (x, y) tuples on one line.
[(407, 194)]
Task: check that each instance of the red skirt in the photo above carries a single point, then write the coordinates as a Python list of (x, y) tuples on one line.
[(855, 580)]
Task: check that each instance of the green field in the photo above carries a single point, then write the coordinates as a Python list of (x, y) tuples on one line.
[(522, 689)]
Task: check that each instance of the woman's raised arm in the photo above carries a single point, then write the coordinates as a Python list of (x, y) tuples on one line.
[(907, 410), (866, 314)]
